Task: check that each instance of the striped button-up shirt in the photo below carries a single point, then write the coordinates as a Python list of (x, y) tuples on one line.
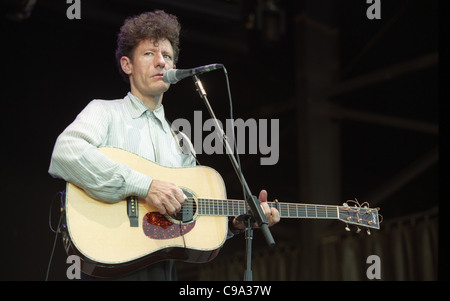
[(123, 123)]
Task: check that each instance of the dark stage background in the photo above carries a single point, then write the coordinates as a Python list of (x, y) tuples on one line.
[(357, 102)]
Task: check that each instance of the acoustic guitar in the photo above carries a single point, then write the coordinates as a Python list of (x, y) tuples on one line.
[(113, 239)]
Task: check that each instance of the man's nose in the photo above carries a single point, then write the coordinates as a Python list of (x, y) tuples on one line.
[(159, 60)]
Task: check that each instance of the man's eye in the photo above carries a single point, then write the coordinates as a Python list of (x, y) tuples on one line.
[(168, 57), (148, 53)]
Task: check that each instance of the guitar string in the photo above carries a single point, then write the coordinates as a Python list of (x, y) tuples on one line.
[(214, 207), (217, 203), (220, 207)]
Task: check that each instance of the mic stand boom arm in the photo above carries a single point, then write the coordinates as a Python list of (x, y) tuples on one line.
[(253, 202)]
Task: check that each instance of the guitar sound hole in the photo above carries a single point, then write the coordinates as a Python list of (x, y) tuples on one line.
[(188, 209)]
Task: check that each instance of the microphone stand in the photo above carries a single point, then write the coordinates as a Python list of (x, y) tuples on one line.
[(248, 275), (255, 213)]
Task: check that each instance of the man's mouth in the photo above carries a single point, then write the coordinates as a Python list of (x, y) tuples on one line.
[(158, 75)]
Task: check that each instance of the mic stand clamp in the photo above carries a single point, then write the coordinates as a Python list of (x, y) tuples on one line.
[(256, 213)]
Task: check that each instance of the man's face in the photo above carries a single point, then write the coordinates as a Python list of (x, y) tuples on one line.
[(150, 60)]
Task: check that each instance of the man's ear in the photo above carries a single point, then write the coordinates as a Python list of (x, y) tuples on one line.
[(126, 65)]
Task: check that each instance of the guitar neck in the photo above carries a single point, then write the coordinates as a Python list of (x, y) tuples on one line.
[(287, 210)]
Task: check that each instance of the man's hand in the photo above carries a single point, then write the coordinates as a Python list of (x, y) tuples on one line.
[(272, 214), (166, 197)]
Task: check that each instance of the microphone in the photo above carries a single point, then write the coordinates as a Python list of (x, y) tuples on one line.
[(173, 76)]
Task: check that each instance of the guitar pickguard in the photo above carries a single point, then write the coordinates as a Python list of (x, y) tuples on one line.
[(157, 226)]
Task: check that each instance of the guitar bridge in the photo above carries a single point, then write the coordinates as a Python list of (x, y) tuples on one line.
[(133, 211)]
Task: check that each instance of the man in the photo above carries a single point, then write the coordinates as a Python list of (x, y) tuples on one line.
[(147, 46)]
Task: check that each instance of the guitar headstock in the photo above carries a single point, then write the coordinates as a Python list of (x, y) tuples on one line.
[(352, 213)]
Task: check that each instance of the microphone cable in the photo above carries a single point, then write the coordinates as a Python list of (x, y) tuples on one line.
[(56, 231), (239, 167)]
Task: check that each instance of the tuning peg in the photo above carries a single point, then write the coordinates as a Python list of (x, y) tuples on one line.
[(368, 232), (358, 229), (347, 228)]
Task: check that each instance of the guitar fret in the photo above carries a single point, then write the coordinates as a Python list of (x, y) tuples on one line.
[(296, 210), (308, 211), (233, 209), (302, 211), (334, 212)]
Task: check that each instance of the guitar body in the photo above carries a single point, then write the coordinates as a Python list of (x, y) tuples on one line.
[(102, 236)]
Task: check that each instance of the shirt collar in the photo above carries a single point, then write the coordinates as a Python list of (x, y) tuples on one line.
[(136, 108)]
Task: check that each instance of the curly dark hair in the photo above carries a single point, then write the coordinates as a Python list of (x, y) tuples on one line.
[(156, 25)]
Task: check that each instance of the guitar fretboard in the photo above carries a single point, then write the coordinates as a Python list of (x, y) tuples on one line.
[(287, 210)]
